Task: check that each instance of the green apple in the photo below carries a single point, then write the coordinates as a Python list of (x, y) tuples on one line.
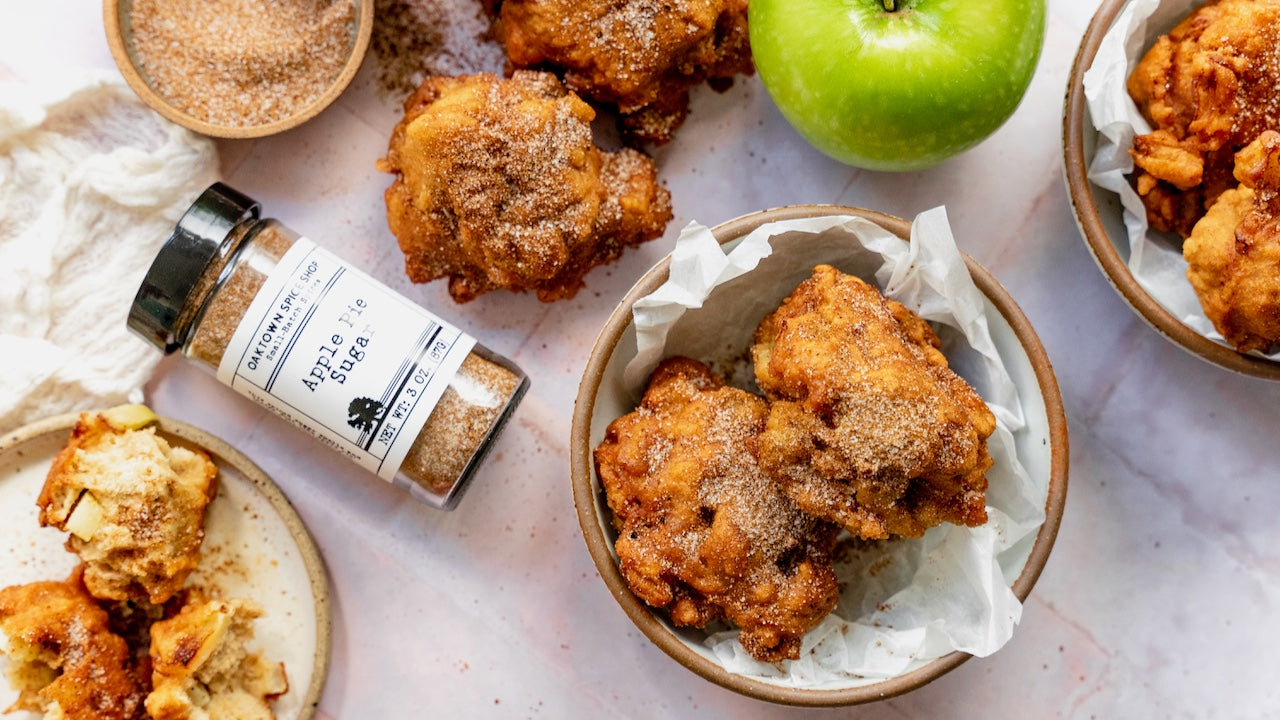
[(896, 86)]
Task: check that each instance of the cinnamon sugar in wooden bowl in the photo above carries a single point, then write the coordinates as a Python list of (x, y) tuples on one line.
[(238, 68)]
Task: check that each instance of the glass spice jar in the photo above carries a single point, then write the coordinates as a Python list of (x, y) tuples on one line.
[(290, 325)]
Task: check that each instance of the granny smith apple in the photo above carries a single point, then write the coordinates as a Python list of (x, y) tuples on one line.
[(899, 85)]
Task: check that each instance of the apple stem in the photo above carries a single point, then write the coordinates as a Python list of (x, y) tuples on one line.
[(890, 5)]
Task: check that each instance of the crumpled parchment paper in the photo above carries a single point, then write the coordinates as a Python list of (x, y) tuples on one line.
[(906, 601), (1155, 258)]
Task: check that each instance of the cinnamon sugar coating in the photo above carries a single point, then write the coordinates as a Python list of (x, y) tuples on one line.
[(1208, 88), (64, 661), (640, 55), (203, 669), (498, 185), (149, 500), (702, 532), (868, 427)]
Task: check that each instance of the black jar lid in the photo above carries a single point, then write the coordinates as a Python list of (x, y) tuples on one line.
[(203, 235)]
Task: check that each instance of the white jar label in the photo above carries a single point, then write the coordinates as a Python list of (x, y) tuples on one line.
[(343, 357)]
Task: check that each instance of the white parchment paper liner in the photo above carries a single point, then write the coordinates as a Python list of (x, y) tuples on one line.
[(1155, 258), (906, 601)]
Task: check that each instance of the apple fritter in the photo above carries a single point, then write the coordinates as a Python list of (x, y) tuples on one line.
[(868, 426), (1233, 254), (64, 661), (133, 503), (1208, 88), (641, 55), (498, 185), (702, 531), (202, 668)]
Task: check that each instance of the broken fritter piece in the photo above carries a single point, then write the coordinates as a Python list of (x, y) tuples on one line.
[(64, 661), (1233, 254), (498, 185), (1208, 88), (133, 503), (868, 427), (202, 668), (639, 55), (702, 531)]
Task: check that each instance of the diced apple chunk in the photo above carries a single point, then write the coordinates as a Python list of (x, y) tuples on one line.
[(130, 417), (86, 517)]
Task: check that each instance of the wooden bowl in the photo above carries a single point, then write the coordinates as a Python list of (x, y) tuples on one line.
[(116, 18), (603, 397), (1100, 216)]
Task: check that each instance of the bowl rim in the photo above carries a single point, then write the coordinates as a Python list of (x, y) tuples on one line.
[(584, 489), (1075, 123), (112, 11)]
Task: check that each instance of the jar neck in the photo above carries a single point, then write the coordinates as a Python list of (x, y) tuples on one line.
[(253, 251), (214, 277)]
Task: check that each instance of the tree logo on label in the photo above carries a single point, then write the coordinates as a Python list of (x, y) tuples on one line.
[(364, 414)]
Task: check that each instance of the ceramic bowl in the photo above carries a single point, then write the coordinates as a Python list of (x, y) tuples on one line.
[(602, 397), (255, 545), (116, 18), (1100, 215)]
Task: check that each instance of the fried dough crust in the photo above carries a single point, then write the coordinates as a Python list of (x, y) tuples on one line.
[(1233, 254), (642, 56), (202, 668), (868, 427), (64, 660), (498, 185), (1208, 88), (702, 531)]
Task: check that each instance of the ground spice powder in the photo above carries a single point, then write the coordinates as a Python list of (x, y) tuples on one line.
[(414, 39), (242, 63)]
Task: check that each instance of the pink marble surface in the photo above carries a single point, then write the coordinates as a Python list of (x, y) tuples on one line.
[(1160, 598)]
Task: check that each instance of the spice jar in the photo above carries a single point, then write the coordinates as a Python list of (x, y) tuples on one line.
[(359, 367)]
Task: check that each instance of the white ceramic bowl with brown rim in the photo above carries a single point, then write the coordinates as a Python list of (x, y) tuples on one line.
[(116, 19), (602, 397), (1099, 213)]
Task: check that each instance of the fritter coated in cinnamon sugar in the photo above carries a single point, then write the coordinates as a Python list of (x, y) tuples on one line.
[(868, 427), (499, 185), (64, 660), (642, 56), (135, 506), (702, 532)]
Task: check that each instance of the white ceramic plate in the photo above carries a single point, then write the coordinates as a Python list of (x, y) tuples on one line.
[(1041, 447), (255, 546)]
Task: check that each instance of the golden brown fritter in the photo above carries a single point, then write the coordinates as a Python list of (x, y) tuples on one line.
[(701, 531), (134, 506), (868, 427), (641, 55), (1233, 254), (498, 185), (202, 668), (1208, 88), (63, 659)]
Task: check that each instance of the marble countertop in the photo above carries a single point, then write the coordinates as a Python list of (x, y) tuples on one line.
[(1160, 598)]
